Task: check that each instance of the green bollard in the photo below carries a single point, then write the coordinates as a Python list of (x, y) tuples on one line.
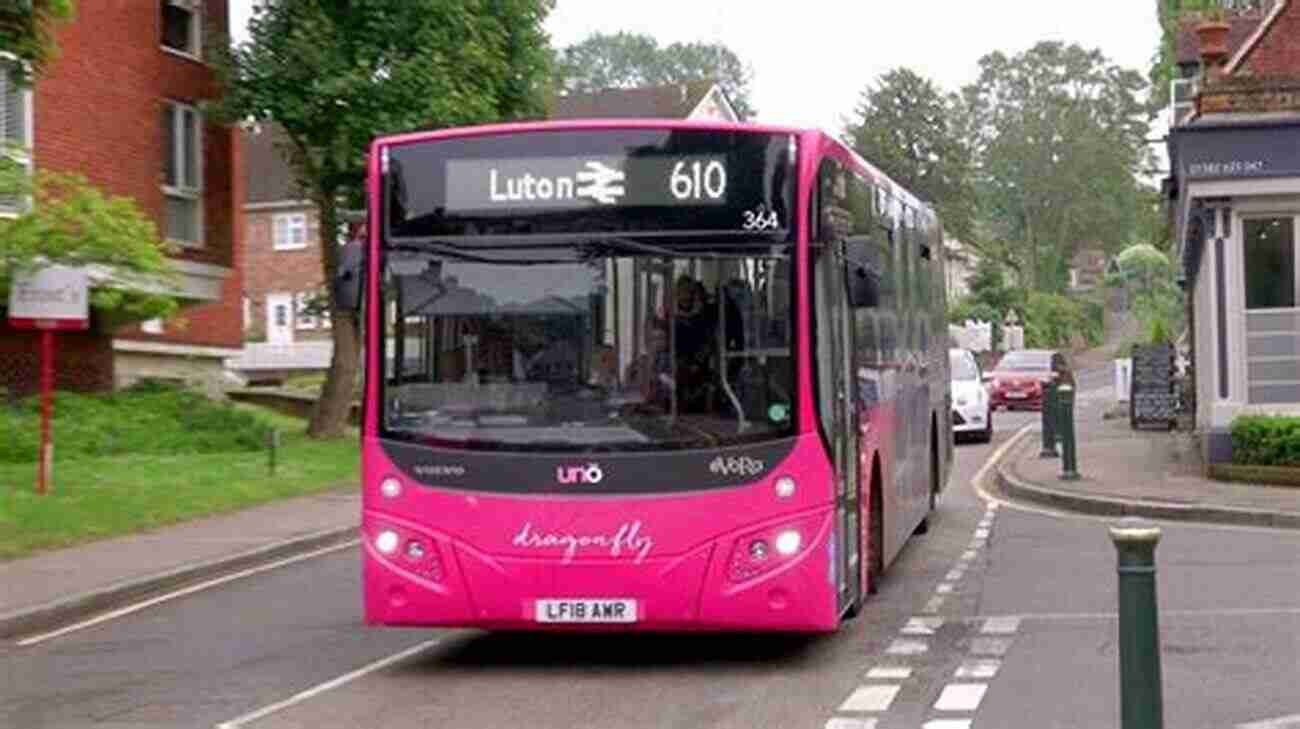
[(1049, 422), (1141, 704), (1065, 427)]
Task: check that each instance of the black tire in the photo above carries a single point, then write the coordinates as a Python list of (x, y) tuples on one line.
[(924, 526), (876, 534)]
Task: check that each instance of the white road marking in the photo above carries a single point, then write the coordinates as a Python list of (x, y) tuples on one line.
[(955, 575), (871, 698), (961, 697), (1281, 722), (944, 588), (331, 684), (840, 722), (981, 533), (968, 555), (990, 646), (120, 612), (978, 543), (1001, 626), (892, 673), (947, 724), (978, 668), (934, 605), (903, 647), (1226, 612), (922, 626)]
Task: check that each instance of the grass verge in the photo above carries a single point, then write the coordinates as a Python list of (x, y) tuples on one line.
[(98, 497)]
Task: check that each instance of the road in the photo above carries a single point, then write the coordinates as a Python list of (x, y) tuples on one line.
[(1020, 603)]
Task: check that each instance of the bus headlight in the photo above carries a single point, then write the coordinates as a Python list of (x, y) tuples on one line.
[(787, 542), (390, 487), (386, 542), (785, 487)]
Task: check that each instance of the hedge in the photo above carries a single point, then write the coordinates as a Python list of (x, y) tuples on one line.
[(1266, 440)]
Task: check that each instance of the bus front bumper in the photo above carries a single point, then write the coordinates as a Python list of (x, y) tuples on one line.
[(728, 583)]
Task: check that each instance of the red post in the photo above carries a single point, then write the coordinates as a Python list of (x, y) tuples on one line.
[(47, 409)]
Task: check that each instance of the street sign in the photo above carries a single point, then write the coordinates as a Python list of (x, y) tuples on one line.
[(52, 298)]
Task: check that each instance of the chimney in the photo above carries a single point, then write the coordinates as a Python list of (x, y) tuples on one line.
[(1212, 37)]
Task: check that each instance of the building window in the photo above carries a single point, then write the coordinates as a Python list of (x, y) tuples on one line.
[(1270, 255), (15, 129), (290, 231), (182, 26), (182, 128)]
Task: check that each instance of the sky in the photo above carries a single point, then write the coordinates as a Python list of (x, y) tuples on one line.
[(812, 59)]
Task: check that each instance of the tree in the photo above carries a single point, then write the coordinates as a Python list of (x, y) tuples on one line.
[(337, 73), (72, 223), (628, 60), (1057, 135), (27, 31), (907, 128)]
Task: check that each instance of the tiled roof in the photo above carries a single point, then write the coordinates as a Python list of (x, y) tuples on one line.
[(652, 102), (268, 176)]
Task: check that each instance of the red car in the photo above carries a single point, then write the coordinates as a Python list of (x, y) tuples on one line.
[(1017, 381)]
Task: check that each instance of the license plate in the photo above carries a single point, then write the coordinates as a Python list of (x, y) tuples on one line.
[(1017, 395), (585, 610)]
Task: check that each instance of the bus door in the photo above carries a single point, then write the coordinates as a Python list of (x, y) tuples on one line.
[(838, 413)]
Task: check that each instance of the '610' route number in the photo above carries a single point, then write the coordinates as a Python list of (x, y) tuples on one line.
[(698, 180)]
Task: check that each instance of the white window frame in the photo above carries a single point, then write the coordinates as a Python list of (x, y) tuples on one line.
[(293, 222), (177, 152), (24, 155), (195, 9)]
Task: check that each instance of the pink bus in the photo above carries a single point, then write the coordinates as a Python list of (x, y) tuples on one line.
[(643, 375)]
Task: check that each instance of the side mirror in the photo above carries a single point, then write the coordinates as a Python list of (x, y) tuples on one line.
[(864, 287), (348, 276)]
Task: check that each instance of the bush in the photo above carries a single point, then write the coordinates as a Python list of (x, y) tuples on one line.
[(1266, 440), (151, 418), (1051, 320)]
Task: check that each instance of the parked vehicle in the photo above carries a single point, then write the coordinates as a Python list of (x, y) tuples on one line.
[(1017, 380), (972, 408)]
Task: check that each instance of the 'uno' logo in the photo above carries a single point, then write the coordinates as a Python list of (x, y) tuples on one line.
[(589, 473)]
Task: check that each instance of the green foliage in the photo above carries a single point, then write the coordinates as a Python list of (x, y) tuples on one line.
[(73, 223), (148, 419), (27, 31), (335, 75), (626, 60), (1156, 300), (1160, 332), (1052, 320), (906, 127), (1058, 135), (1266, 440)]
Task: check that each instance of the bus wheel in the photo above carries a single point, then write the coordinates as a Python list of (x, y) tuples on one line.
[(924, 526), (876, 534)]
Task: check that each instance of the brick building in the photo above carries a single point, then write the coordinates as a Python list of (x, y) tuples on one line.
[(1235, 194), (283, 331), (120, 106)]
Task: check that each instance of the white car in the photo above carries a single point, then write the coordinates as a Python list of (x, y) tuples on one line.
[(972, 409)]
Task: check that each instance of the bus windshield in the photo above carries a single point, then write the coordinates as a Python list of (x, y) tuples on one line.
[(599, 345)]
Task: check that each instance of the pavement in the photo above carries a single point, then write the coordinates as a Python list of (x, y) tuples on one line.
[(60, 586), (1127, 472), (1124, 472)]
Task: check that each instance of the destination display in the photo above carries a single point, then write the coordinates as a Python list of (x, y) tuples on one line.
[(641, 181), (1153, 399)]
